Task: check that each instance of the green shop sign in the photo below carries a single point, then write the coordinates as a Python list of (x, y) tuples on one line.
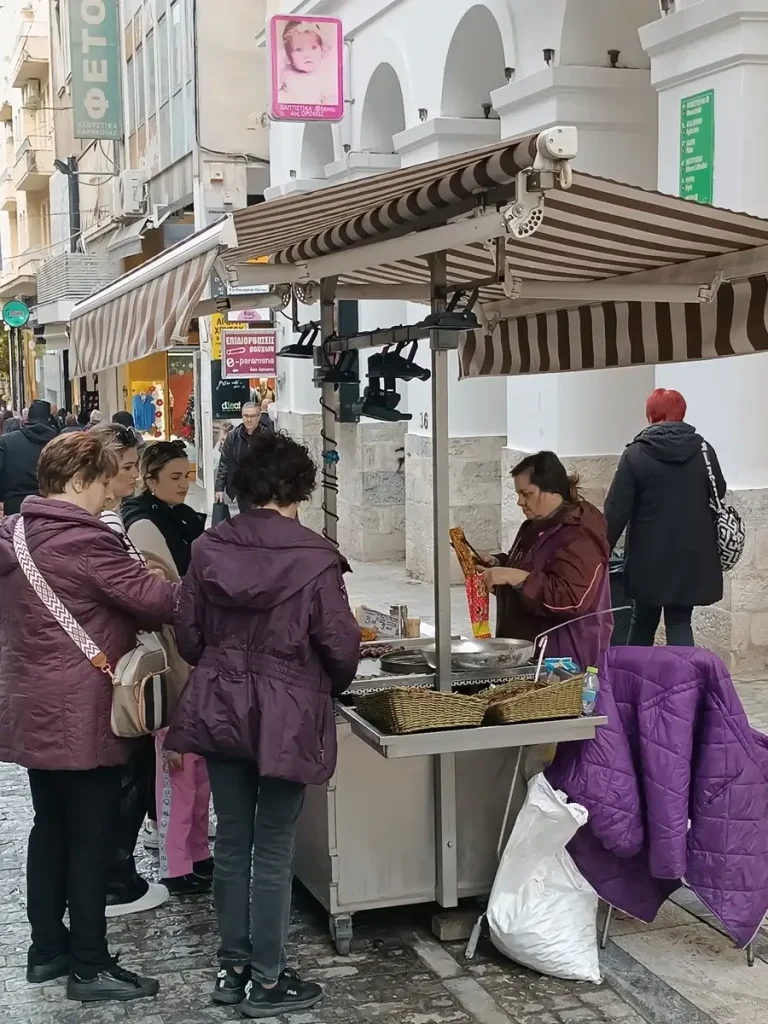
[(95, 50), (697, 147), (15, 314)]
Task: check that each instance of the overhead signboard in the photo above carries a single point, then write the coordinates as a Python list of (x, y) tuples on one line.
[(249, 354), (95, 57), (306, 69), (697, 147)]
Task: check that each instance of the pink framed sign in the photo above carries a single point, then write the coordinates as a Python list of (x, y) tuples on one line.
[(249, 353), (306, 69)]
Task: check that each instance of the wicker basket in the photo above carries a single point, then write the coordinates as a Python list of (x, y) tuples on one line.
[(406, 709), (536, 702), (511, 688)]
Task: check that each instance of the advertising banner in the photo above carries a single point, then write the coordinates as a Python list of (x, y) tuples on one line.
[(306, 69), (697, 147), (249, 353), (95, 54)]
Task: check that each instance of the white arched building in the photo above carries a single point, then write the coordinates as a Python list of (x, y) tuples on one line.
[(426, 81)]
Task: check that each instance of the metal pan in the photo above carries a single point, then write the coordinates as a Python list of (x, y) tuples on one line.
[(467, 655)]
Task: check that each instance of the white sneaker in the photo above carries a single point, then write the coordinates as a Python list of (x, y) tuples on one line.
[(150, 837), (155, 896)]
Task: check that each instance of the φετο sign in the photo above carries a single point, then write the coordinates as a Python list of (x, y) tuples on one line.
[(95, 54), (697, 147)]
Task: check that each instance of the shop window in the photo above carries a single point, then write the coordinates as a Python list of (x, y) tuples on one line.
[(178, 132), (164, 141), (130, 88), (133, 152), (128, 40), (177, 54), (45, 226)]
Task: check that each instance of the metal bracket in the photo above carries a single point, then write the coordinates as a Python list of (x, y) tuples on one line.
[(708, 292), (524, 217)]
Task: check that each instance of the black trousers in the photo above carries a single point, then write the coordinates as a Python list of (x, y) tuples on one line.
[(69, 856), (137, 801), (645, 622)]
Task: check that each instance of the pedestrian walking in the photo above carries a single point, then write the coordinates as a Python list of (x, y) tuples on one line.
[(160, 524), (265, 620), (55, 708), (234, 449), (20, 453), (127, 891), (661, 494)]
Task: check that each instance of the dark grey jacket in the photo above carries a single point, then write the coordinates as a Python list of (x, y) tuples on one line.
[(232, 452), (19, 455), (661, 495)]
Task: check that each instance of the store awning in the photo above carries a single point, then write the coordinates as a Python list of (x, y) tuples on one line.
[(148, 309)]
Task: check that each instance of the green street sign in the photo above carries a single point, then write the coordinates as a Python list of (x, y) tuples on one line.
[(15, 314), (697, 147)]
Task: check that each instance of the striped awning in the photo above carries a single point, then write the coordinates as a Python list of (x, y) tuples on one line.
[(146, 310), (296, 228), (608, 334)]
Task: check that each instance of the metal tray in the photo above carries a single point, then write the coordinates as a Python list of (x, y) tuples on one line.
[(468, 655)]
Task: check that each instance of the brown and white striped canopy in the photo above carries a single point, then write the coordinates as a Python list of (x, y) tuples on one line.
[(150, 318)]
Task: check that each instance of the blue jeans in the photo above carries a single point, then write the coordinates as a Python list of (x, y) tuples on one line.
[(645, 622), (256, 823)]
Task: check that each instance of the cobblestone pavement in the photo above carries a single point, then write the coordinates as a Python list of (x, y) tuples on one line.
[(396, 972)]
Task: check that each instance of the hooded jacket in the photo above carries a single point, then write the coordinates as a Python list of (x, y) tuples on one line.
[(19, 455), (265, 620), (566, 557), (661, 495), (55, 707)]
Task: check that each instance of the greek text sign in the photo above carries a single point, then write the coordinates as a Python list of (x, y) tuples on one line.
[(697, 147), (249, 353), (306, 68), (95, 51)]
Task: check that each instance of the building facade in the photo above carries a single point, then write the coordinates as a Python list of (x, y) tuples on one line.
[(422, 84)]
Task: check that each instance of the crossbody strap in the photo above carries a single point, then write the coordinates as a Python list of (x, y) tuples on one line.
[(68, 623), (711, 475)]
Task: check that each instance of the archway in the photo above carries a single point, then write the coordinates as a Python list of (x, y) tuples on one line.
[(383, 111), (474, 66), (316, 149)]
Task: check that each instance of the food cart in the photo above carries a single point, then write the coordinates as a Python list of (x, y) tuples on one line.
[(527, 267)]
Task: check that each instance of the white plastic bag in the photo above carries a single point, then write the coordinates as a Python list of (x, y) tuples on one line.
[(542, 912)]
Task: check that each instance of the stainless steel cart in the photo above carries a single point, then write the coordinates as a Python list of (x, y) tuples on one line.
[(371, 836)]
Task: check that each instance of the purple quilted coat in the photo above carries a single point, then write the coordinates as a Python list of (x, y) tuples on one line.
[(265, 621), (677, 749)]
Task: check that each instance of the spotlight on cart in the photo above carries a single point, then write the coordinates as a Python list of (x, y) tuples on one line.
[(304, 347), (396, 366), (377, 403)]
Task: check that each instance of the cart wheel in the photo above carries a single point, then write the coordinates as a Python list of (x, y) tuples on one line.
[(341, 933)]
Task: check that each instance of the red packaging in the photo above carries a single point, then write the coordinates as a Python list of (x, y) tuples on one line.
[(479, 607)]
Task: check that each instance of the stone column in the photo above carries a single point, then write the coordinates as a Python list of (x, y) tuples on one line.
[(477, 409), (586, 418), (724, 47)]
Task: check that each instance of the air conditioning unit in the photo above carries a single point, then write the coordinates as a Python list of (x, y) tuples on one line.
[(30, 93), (129, 198)]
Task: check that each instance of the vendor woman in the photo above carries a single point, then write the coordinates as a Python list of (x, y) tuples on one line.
[(557, 570)]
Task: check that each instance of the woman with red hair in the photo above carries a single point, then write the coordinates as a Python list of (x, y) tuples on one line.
[(661, 496)]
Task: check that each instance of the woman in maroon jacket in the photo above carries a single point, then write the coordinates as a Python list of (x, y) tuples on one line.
[(265, 619), (55, 708), (557, 569)]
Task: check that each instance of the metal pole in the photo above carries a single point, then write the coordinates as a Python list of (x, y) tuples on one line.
[(74, 203), (445, 765), (330, 405)]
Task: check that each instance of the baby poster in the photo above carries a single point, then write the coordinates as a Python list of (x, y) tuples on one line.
[(306, 69)]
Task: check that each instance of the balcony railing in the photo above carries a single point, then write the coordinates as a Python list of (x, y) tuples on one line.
[(7, 191), (34, 163)]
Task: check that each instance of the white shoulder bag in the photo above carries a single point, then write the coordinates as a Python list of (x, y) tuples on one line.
[(140, 703)]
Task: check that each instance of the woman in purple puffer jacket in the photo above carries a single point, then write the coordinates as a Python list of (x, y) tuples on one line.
[(265, 619), (55, 708)]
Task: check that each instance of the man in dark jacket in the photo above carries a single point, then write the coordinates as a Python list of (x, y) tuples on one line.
[(661, 495), (233, 451), (19, 455)]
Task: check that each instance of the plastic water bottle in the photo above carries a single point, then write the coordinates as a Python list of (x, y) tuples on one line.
[(590, 691)]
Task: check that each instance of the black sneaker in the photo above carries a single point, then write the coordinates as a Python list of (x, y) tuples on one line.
[(114, 983), (59, 967), (187, 885), (289, 994), (231, 985)]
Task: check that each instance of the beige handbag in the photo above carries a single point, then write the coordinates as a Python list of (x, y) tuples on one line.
[(140, 694)]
